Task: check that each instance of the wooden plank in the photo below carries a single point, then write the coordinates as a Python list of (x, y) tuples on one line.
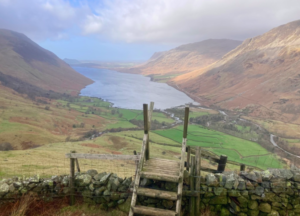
[(157, 171), (222, 163), (188, 158), (103, 156), (72, 179), (190, 193), (137, 177), (144, 210), (192, 186), (180, 184), (198, 179), (77, 165), (206, 169), (186, 122), (157, 193), (160, 176)]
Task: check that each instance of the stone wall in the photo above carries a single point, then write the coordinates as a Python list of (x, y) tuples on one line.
[(271, 192)]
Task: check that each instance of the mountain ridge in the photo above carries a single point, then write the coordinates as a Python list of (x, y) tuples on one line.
[(22, 58)]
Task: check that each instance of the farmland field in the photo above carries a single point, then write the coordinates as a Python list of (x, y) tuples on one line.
[(237, 149)]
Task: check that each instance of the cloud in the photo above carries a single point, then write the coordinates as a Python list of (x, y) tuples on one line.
[(40, 19), (177, 21)]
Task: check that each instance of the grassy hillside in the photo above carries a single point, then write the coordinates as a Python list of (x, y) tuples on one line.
[(20, 57)]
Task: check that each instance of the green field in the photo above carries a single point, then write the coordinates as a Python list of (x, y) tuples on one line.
[(237, 149)]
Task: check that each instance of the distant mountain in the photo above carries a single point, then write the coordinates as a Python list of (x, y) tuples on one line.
[(263, 72), (187, 57), (23, 59), (71, 61)]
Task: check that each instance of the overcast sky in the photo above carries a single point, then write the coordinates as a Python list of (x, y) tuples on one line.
[(134, 29)]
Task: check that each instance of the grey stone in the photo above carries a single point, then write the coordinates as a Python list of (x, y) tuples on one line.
[(104, 179), (92, 172), (259, 190), (266, 175), (286, 174), (4, 188), (211, 180), (100, 190), (99, 176), (83, 180), (115, 184)]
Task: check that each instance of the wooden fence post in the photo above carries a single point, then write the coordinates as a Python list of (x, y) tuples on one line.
[(77, 165), (243, 167), (149, 128), (192, 186), (146, 130), (188, 158), (186, 121), (72, 179), (222, 163), (198, 179)]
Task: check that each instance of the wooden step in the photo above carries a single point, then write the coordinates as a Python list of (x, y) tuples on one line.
[(144, 210), (160, 176), (157, 193)]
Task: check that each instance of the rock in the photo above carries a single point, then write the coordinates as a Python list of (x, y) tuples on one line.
[(65, 181), (218, 190), (99, 176), (4, 188), (35, 179), (91, 187), (92, 172), (296, 176), (224, 212), (266, 175), (265, 207), (100, 190), (104, 179), (231, 182), (106, 193), (243, 201), (253, 212), (234, 193), (251, 176), (241, 185), (211, 180), (286, 174), (83, 180), (259, 190), (273, 213), (219, 200), (12, 188), (252, 204), (121, 201), (115, 184), (114, 196), (235, 207)]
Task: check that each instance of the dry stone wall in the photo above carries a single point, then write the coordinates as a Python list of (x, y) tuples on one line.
[(269, 193)]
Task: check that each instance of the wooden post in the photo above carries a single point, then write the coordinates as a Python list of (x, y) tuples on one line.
[(77, 165), (149, 128), (222, 163), (136, 163), (72, 179), (188, 158), (243, 167), (192, 186), (146, 130), (186, 121), (198, 179)]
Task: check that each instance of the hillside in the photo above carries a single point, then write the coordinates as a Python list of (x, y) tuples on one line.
[(187, 57), (22, 58), (263, 73)]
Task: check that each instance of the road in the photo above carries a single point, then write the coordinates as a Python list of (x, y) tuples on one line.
[(275, 144)]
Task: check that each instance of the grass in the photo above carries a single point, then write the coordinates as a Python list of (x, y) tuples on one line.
[(235, 148)]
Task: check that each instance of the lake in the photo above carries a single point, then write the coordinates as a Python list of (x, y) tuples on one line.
[(130, 91)]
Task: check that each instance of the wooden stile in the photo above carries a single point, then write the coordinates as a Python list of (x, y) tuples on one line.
[(72, 179), (192, 186), (188, 158), (198, 179)]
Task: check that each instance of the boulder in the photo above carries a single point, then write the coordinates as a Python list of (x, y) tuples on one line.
[(98, 176), (265, 207), (83, 180)]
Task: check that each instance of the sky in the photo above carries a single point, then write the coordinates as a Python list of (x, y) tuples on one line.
[(132, 30)]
